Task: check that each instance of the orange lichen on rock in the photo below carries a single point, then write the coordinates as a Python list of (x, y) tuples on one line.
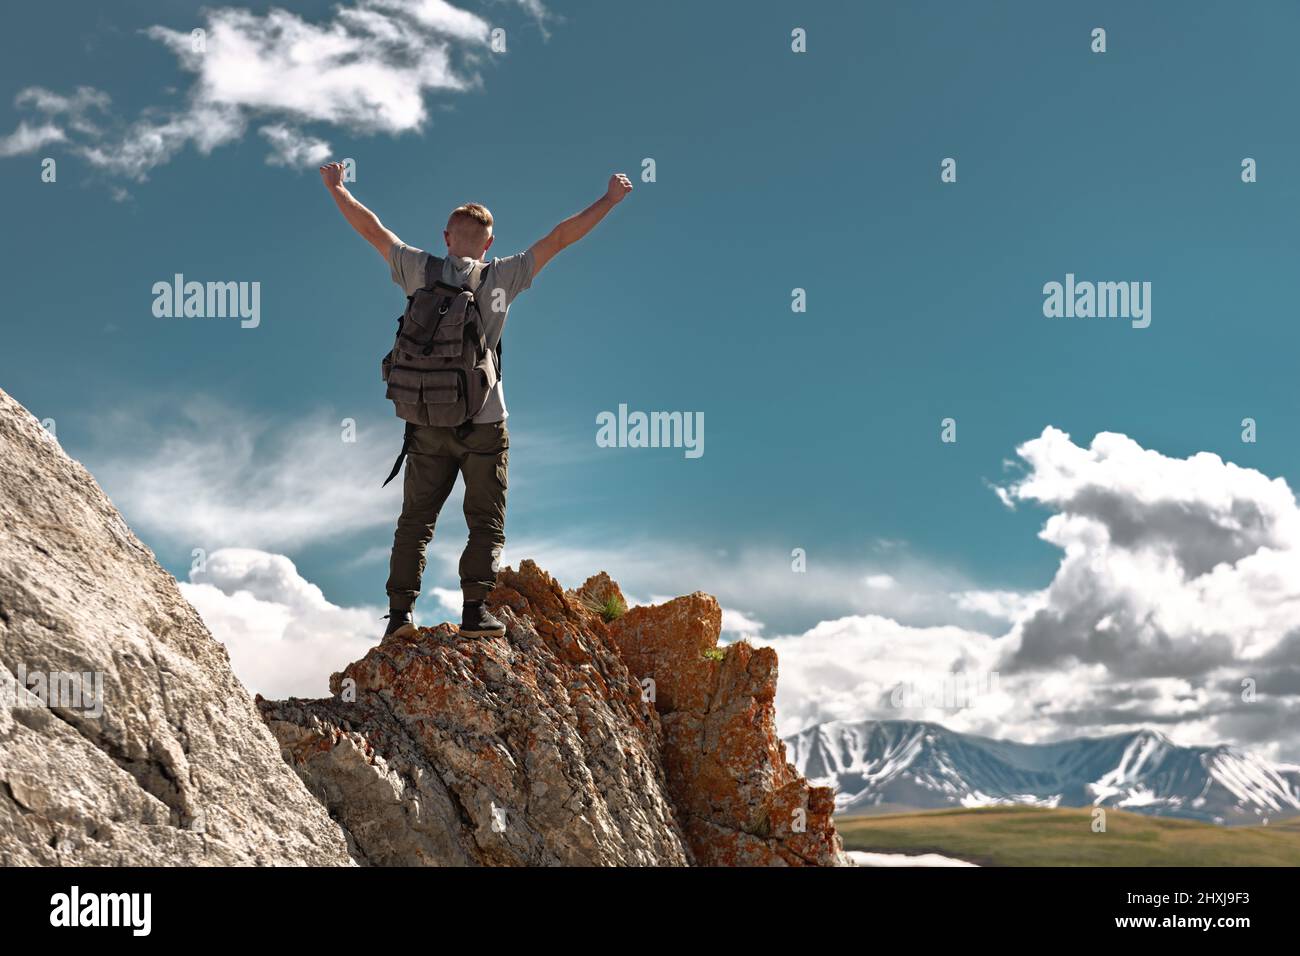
[(741, 801)]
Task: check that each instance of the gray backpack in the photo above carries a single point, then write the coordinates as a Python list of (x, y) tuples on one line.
[(440, 370)]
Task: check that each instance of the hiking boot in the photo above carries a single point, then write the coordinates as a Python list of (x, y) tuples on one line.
[(399, 623), (477, 621)]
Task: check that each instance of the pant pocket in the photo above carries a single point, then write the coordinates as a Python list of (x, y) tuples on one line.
[(488, 439)]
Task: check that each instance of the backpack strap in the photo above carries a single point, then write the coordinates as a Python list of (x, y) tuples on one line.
[(432, 271), (401, 456), (477, 276), (482, 280)]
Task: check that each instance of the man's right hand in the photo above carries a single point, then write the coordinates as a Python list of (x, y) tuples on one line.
[(331, 175)]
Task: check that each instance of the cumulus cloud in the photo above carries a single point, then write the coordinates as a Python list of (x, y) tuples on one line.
[(450, 601), (1176, 604), (284, 637), (1171, 567), (737, 625), (852, 667), (365, 69), (1000, 605)]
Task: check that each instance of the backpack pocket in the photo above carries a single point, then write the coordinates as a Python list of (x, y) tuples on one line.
[(434, 324), (428, 396), (449, 340), (444, 396), (441, 387), (404, 392), (403, 385)]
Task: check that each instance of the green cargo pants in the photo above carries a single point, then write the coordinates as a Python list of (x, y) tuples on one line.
[(434, 458)]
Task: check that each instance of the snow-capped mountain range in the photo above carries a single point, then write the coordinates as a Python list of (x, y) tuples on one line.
[(881, 766)]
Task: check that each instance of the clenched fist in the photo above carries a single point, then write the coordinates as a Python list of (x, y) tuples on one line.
[(619, 186), (332, 175)]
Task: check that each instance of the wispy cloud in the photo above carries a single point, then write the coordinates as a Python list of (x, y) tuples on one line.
[(28, 138), (366, 69), (198, 472), (292, 147), (213, 477)]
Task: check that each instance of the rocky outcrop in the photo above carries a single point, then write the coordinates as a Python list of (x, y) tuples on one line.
[(532, 749), (152, 753), (572, 740), (739, 800)]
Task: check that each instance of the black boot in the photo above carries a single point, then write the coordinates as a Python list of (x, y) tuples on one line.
[(399, 623), (477, 621)]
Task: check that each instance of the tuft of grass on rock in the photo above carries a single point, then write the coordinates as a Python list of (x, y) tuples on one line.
[(715, 654), (610, 608)]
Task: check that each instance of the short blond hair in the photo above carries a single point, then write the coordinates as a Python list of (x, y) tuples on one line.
[(471, 212)]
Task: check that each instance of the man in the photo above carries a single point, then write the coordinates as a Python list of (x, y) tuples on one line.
[(479, 451)]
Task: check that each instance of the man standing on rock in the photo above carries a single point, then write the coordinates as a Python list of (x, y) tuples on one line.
[(477, 449)]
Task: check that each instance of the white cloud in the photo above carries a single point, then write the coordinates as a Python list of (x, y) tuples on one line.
[(216, 478), (848, 668), (450, 600), (27, 138), (1000, 605), (76, 112), (198, 472), (292, 147), (365, 69), (151, 142), (284, 637), (737, 625), (1171, 567), (1179, 580)]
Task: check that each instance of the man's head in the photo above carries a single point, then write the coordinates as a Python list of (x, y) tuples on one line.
[(469, 231)]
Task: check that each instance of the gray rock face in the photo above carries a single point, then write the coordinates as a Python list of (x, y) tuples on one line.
[(154, 754)]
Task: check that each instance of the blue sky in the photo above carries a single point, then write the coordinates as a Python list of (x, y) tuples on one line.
[(774, 170)]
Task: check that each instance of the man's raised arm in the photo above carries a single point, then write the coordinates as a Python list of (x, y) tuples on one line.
[(575, 227), (358, 216)]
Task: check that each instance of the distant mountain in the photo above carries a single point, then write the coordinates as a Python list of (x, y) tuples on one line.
[(880, 766)]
